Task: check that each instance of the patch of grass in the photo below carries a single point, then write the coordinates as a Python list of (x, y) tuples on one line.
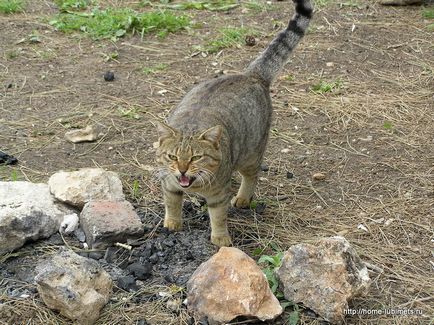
[(257, 6), (326, 87), (11, 6), (428, 13), (216, 5), (272, 262), (154, 69), (322, 3), (115, 23), (229, 37), (66, 5), (131, 113), (387, 125)]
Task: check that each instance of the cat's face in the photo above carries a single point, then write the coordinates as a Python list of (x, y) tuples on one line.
[(192, 160)]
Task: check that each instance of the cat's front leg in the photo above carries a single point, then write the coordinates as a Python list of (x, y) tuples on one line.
[(173, 207), (218, 212), (247, 188)]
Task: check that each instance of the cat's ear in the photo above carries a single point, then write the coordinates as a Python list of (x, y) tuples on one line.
[(165, 131), (212, 135)]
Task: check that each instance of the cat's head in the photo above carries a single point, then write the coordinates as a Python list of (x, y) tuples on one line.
[(191, 159)]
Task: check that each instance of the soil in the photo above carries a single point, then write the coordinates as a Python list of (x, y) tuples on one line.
[(371, 137)]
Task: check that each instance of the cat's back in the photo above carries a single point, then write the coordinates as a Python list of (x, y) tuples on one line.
[(225, 100)]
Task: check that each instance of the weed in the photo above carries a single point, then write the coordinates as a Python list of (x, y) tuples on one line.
[(387, 125), (136, 189), (11, 6), (272, 262), (154, 69), (115, 23), (428, 13), (14, 176), (326, 87), (321, 3), (130, 113), (229, 37), (111, 56), (65, 5), (13, 54), (216, 5)]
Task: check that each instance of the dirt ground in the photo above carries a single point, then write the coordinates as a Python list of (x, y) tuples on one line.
[(372, 137)]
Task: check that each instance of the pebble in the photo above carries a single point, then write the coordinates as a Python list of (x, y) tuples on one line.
[(286, 150), (128, 283), (319, 176), (109, 76), (140, 271), (95, 255), (265, 168), (289, 175)]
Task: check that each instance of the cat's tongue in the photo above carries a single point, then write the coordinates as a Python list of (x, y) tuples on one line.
[(184, 181)]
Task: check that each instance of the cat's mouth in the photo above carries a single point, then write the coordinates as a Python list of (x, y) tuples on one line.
[(185, 181)]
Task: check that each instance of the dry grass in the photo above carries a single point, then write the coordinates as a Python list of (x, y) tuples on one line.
[(372, 137)]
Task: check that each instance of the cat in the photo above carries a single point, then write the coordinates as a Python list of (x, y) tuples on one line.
[(222, 126)]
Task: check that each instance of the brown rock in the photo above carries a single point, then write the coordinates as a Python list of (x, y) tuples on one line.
[(319, 176), (76, 286), (323, 276), (228, 285), (107, 222)]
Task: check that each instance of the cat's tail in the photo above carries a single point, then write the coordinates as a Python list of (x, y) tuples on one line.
[(269, 63)]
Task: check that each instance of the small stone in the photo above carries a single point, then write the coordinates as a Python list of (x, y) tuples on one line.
[(250, 40), (77, 287), (96, 255), (228, 285), (318, 177), (127, 283), (109, 76), (289, 175), (69, 223), (140, 271), (285, 150), (7, 159), (265, 168), (174, 304), (324, 276), (330, 64), (80, 235), (107, 222), (260, 208), (88, 134), (153, 258)]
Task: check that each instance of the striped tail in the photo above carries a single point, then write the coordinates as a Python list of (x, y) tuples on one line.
[(272, 60)]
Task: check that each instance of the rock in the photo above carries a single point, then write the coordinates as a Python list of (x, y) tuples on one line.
[(107, 222), (7, 159), (109, 76), (323, 276), (75, 286), (228, 285), (88, 134), (140, 271), (289, 175), (79, 187), (69, 223), (27, 212), (318, 177), (250, 40), (128, 283)]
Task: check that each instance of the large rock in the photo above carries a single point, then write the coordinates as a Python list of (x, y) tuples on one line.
[(108, 222), (75, 286), (27, 212), (324, 276), (79, 187), (228, 285)]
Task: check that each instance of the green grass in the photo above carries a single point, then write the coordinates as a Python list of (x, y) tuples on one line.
[(257, 6), (216, 5), (66, 5), (114, 23), (154, 69), (229, 37), (326, 87), (11, 6), (428, 13)]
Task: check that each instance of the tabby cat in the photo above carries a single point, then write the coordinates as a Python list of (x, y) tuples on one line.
[(222, 126)]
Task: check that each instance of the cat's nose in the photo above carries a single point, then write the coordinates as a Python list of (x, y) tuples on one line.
[(182, 172)]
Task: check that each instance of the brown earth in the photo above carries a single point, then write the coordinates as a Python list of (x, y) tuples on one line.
[(372, 137)]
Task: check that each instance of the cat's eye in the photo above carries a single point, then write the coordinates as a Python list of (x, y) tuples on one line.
[(194, 158), (173, 157)]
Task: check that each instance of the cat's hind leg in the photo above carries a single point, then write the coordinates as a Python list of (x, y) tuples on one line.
[(247, 188), (173, 207)]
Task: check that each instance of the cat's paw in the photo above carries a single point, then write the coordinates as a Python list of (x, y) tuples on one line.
[(221, 240), (240, 202), (173, 224)]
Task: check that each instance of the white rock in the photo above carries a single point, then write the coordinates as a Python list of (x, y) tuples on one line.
[(27, 212), (69, 223), (79, 187), (87, 134)]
